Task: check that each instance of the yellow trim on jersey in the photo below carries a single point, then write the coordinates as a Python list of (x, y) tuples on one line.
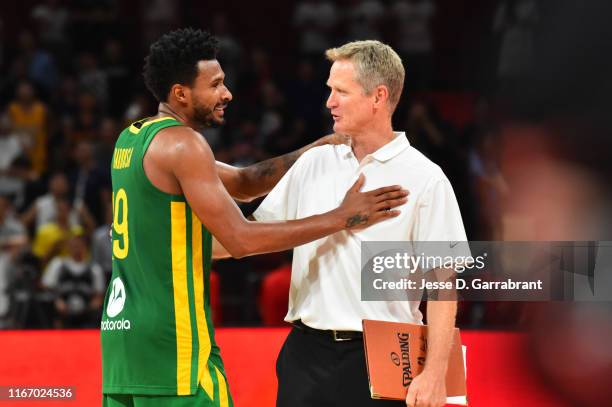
[(204, 376), (181, 297), (136, 130), (223, 399)]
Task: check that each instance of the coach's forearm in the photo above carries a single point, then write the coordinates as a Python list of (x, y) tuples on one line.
[(441, 323)]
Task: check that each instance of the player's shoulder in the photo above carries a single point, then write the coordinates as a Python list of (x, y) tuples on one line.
[(181, 140), (179, 146)]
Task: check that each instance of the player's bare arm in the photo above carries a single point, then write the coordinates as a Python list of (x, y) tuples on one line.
[(246, 184), (170, 164)]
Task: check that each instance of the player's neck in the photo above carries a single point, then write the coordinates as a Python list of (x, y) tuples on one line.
[(165, 109), (371, 139)]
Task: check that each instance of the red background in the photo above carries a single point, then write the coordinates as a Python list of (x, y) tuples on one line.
[(498, 373)]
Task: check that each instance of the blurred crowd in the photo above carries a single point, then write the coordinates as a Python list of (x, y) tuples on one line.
[(70, 81)]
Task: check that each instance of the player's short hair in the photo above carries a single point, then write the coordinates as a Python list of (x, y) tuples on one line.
[(376, 64), (174, 59)]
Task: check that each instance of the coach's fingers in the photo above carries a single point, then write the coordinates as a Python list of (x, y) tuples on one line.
[(411, 397)]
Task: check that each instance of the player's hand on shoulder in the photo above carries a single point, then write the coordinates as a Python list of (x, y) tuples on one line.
[(335, 139)]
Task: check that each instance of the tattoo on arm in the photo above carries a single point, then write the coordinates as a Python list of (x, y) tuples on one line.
[(290, 159), (259, 179), (356, 220), (275, 167), (264, 169)]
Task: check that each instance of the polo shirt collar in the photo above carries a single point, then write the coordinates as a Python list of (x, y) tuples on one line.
[(388, 151), (392, 148)]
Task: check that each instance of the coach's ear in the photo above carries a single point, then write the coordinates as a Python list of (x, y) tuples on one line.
[(381, 96)]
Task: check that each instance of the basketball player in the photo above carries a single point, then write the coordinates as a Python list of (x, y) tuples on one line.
[(169, 198)]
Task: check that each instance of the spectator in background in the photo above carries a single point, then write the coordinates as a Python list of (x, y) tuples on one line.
[(17, 73), (1, 42), (364, 19), (13, 239), (14, 168), (92, 20), (51, 239), (30, 117), (315, 20), (438, 140), (92, 79), (118, 75), (305, 96), (477, 141), (159, 17), (60, 149), (424, 131), (40, 64), (273, 114), (78, 286), (44, 209), (515, 21), (85, 122), (52, 19), (101, 247), (89, 183), (230, 50), (489, 183), (414, 38), (105, 142), (140, 106), (255, 75), (66, 102)]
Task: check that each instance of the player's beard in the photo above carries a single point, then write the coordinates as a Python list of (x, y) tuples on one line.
[(204, 115)]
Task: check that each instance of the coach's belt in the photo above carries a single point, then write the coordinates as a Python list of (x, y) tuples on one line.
[(338, 336)]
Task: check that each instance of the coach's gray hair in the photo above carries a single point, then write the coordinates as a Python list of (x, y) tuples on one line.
[(376, 64)]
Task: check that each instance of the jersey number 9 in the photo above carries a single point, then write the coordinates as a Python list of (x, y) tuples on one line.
[(120, 224)]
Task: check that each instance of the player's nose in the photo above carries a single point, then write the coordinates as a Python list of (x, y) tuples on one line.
[(228, 95)]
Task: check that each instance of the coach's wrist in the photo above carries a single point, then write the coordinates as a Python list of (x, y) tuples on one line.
[(435, 368)]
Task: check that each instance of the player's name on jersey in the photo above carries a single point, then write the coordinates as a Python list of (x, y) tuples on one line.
[(122, 158)]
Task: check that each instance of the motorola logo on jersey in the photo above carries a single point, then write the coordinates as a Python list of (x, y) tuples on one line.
[(116, 301)]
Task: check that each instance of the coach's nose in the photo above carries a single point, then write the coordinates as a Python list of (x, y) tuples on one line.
[(332, 101)]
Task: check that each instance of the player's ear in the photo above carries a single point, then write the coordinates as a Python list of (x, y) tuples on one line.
[(180, 93)]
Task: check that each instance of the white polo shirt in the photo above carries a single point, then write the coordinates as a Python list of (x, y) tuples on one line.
[(325, 288)]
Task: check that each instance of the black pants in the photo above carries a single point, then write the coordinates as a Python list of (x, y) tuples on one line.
[(315, 371)]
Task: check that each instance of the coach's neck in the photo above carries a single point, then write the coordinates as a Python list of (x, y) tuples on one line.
[(372, 137)]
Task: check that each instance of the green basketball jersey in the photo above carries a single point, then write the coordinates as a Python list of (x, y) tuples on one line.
[(156, 330)]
